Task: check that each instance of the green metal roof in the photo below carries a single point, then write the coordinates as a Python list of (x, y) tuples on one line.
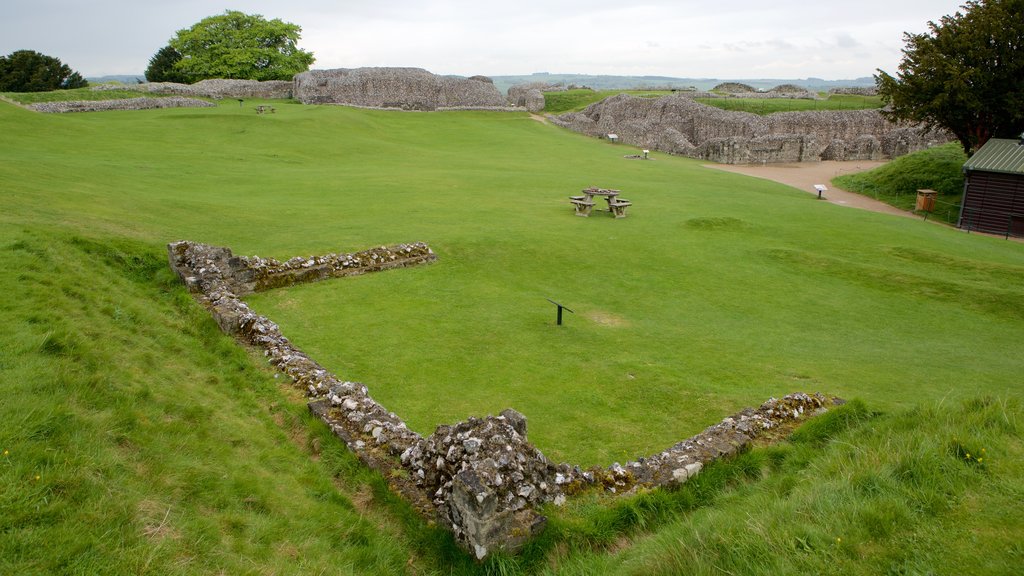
[(998, 155)]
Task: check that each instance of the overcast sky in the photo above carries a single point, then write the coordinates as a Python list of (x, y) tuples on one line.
[(682, 38)]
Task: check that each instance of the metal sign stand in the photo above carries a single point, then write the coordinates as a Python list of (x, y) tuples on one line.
[(560, 308)]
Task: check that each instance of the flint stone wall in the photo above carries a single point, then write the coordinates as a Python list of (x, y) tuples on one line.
[(219, 88), (401, 88), (481, 478), (678, 125), (121, 104), (529, 96), (855, 90)]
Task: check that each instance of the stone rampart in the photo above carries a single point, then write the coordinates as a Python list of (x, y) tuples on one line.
[(220, 88), (529, 96), (481, 478), (122, 104), (400, 88), (678, 125), (855, 90)]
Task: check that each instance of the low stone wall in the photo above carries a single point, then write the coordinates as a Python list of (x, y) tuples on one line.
[(122, 104), (856, 90), (678, 125), (481, 478), (399, 88), (220, 88)]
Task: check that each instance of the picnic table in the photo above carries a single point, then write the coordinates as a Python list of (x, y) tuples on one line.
[(264, 108), (584, 204)]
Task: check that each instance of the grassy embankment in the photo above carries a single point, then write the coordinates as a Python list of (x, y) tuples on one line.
[(576, 100), (764, 106), (140, 439), (76, 94), (897, 182)]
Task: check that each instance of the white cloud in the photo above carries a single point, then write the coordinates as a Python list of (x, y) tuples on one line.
[(742, 38)]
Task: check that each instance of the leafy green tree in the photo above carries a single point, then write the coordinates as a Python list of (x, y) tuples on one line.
[(161, 66), (30, 71), (965, 75), (242, 46)]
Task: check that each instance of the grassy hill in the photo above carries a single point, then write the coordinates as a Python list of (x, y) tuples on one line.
[(576, 100), (897, 183), (136, 438)]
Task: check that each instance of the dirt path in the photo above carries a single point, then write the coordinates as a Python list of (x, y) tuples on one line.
[(804, 175)]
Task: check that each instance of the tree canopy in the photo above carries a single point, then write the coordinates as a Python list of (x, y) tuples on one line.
[(161, 66), (240, 46), (30, 71), (965, 75)]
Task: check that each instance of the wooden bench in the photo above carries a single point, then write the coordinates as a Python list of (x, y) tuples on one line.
[(583, 207), (617, 206), (264, 108)]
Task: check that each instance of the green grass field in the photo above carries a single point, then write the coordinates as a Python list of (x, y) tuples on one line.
[(142, 440)]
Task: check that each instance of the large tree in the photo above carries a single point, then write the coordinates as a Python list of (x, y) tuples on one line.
[(965, 75), (242, 46), (30, 71), (161, 66)]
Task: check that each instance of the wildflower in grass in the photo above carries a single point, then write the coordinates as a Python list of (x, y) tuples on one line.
[(6, 453)]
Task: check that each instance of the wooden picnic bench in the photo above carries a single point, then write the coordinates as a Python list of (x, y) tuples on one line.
[(263, 108), (582, 205), (617, 206)]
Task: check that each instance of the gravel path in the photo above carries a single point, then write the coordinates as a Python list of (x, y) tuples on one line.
[(804, 175)]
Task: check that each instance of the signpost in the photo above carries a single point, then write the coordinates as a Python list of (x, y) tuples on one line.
[(560, 308)]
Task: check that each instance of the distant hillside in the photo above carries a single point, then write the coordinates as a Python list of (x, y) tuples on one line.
[(123, 78), (601, 82)]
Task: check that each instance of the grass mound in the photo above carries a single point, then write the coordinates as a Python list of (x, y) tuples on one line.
[(137, 439), (897, 182), (576, 100), (764, 106), (76, 94)]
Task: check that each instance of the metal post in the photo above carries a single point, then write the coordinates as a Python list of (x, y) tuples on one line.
[(560, 308)]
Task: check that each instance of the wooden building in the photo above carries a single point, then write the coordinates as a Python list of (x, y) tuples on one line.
[(994, 189)]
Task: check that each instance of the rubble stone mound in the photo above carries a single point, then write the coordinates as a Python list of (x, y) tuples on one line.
[(401, 88), (855, 90), (734, 88), (787, 88), (486, 480), (678, 125)]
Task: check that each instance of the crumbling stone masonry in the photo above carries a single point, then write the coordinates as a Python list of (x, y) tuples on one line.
[(401, 88), (212, 88), (124, 104), (481, 478), (678, 125)]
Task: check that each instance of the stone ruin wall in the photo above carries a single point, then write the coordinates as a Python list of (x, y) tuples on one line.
[(678, 125), (855, 90), (529, 96), (123, 104), (481, 478), (396, 88), (216, 88)]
